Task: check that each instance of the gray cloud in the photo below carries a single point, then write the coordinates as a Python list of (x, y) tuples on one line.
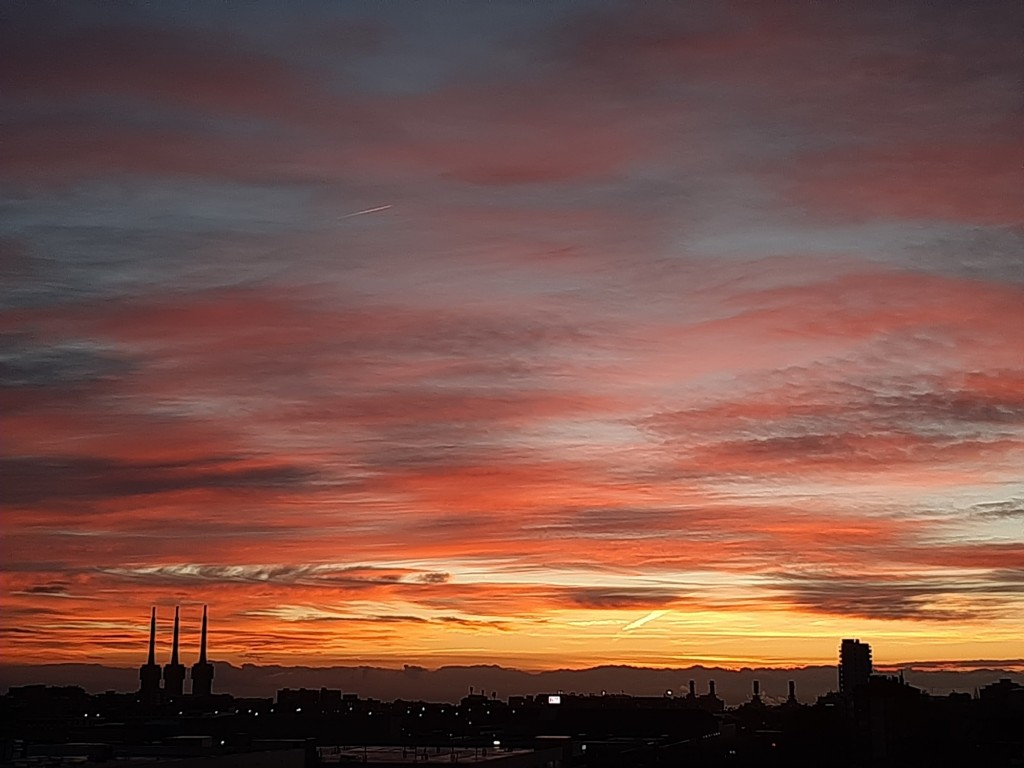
[(1000, 509), (799, 421), (53, 588), (104, 240), (978, 253), (28, 363), (434, 577), (327, 575), (32, 479), (910, 598), (612, 598)]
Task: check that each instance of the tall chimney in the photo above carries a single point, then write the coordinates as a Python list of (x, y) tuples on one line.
[(792, 690), (202, 641), (174, 673), (152, 638), (202, 670), (757, 688), (149, 673), (174, 648)]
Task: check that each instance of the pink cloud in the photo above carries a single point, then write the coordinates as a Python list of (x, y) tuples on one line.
[(972, 183)]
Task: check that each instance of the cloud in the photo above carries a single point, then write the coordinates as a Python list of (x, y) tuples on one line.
[(968, 183), (337, 133), (313, 574), (474, 624), (52, 589), (1003, 559), (302, 614), (434, 577), (34, 376), (917, 598), (977, 253), (38, 479), (625, 598), (809, 420), (1000, 509), (160, 64), (25, 365)]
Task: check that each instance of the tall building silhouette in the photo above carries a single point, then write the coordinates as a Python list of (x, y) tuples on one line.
[(174, 673), (149, 673), (202, 670), (854, 665)]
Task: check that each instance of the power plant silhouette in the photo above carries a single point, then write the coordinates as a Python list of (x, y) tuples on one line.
[(173, 673)]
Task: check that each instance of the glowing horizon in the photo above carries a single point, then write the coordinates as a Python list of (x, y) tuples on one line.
[(528, 335)]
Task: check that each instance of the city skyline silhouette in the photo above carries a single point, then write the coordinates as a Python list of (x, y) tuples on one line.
[(773, 686), (871, 719)]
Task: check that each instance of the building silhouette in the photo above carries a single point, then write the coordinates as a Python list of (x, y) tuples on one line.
[(854, 665), (149, 673), (756, 696), (791, 698), (710, 701), (202, 670), (173, 674)]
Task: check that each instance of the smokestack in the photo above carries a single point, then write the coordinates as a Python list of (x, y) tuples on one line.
[(152, 638), (792, 690), (757, 688), (711, 687), (202, 670), (149, 673), (693, 688), (174, 648), (174, 672), (202, 641)]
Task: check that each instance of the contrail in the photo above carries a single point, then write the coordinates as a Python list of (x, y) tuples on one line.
[(368, 210), (641, 621)]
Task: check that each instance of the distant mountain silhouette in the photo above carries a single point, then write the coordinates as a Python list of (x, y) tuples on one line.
[(453, 682)]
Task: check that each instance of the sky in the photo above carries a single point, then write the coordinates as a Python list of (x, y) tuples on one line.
[(536, 334)]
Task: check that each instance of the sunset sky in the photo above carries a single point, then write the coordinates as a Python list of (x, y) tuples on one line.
[(543, 334)]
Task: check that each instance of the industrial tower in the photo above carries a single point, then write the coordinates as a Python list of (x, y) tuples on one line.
[(202, 670), (149, 673), (173, 674)]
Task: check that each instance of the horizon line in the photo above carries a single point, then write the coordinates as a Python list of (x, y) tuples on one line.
[(1015, 665)]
